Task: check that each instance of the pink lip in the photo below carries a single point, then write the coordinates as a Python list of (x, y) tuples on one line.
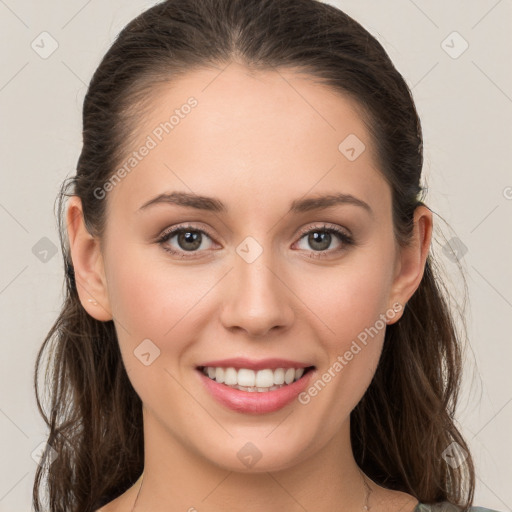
[(242, 362), (255, 402)]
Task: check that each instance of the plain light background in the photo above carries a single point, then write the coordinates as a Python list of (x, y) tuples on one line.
[(464, 99)]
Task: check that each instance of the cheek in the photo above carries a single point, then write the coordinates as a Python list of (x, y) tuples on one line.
[(149, 296), (154, 299), (350, 303), (353, 348), (348, 299)]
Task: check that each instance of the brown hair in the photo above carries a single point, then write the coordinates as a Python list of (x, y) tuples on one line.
[(405, 420)]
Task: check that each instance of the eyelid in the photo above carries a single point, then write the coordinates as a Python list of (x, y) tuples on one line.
[(171, 232), (324, 226), (342, 234), (183, 227), (344, 237)]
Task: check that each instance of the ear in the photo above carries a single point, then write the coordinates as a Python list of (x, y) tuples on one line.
[(411, 261), (87, 263)]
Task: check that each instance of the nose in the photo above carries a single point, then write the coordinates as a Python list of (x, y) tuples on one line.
[(258, 298)]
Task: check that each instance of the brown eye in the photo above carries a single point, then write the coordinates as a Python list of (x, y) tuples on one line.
[(319, 239), (188, 240)]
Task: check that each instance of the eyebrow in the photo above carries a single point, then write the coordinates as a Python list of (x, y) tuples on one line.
[(213, 204)]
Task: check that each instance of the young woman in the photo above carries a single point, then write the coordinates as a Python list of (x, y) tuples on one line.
[(253, 320)]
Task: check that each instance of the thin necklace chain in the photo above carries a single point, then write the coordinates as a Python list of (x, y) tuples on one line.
[(366, 507)]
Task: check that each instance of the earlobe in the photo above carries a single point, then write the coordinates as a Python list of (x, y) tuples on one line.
[(87, 263), (412, 260)]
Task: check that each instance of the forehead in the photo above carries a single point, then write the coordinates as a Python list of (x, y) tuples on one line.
[(249, 136)]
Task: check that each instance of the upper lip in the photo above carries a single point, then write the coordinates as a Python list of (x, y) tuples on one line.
[(252, 364)]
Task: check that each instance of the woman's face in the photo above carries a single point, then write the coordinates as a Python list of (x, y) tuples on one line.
[(259, 275)]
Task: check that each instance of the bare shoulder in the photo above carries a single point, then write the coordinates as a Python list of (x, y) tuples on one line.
[(109, 507), (123, 502), (119, 504), (389, 500)]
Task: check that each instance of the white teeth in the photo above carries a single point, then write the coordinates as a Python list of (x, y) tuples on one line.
[(254, 389), (230, 377), (246, 377), (219, 374), (279, 376), (289, 375), (265, 378), (250, 380)]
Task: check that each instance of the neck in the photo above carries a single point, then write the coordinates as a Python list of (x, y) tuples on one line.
[(176, 478)]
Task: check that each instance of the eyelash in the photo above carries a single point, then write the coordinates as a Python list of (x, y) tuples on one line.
[(345, 238)]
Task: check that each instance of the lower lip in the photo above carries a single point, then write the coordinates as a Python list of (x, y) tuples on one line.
[(255, 402)]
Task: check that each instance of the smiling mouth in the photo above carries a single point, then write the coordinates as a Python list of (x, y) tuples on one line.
[(245, 379)]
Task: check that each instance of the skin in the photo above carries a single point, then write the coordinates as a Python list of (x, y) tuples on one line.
[(256, 141)]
